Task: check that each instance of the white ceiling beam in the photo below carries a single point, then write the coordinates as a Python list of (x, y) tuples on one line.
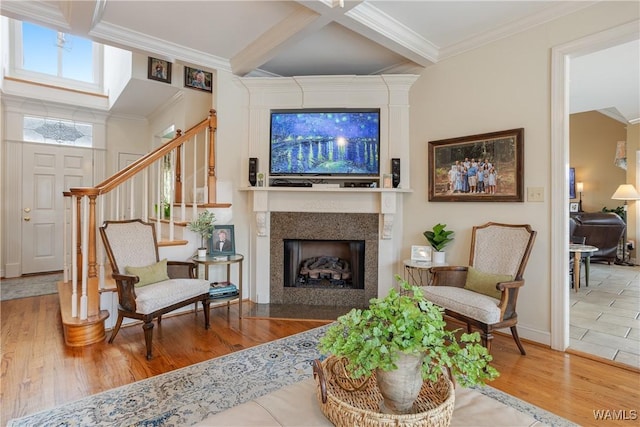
[(82, 16), (307, 19), (370, 22)]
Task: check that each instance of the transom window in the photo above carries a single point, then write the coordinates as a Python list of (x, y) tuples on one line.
[(55, 53), (47, 130)]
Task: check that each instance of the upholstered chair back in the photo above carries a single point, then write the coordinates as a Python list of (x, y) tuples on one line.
[(132, 243), (501, 248)]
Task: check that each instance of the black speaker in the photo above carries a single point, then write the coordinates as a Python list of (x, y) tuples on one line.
[(395, 172), (253, 171)]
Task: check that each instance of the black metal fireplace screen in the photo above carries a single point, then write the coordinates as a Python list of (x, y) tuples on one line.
[(324, 263)]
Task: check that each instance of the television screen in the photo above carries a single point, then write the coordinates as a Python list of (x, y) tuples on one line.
[(325, 142)]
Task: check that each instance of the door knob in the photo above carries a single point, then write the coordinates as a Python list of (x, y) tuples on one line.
[(27, 218), (27, 210)]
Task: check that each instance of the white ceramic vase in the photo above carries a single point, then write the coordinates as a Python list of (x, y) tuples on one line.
[(438, 257), (202, 252), (400, 388)]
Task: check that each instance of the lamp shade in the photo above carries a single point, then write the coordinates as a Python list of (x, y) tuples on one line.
[(626, 192), (579, 186)]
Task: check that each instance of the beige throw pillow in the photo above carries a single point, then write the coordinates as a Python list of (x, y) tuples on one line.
[(485, 283), (149, 274)]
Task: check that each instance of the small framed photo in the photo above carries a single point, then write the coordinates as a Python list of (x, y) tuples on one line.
[(573, 207), (421, 253), (197, 79), (222, 241), (159, 69)]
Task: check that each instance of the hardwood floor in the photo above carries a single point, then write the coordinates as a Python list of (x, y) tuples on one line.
[(38, 371)]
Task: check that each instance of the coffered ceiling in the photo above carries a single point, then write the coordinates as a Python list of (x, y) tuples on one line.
[(310, 37)]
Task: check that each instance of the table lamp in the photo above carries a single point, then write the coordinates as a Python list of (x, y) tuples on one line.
[(580, 188), (625, 192)]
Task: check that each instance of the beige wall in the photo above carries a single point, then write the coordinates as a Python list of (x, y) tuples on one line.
[(594, 137), (501, 86)]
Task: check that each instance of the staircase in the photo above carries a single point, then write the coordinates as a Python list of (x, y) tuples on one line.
[(152, 188)]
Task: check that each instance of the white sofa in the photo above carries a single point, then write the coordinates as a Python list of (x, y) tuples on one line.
[(296, 405)]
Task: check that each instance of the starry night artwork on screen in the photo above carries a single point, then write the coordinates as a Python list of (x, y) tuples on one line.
[(338, 142)]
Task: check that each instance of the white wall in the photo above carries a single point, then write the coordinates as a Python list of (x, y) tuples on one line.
[(501, 86)]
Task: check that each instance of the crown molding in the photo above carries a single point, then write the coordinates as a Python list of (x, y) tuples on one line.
[(37, 11), (133, 40), (515, 27), (392, 34)]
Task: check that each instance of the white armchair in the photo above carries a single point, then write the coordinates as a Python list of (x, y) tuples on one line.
[(147, 287), (485, 293)]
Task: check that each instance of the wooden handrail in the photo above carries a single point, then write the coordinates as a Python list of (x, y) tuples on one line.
[(148, 159)]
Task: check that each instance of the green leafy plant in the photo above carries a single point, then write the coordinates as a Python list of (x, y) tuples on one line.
[(619, 211), (203, 225), (438, 237), (372, 339)]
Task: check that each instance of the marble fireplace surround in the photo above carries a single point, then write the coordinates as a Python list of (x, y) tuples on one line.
[(325, 226), (372, 215)]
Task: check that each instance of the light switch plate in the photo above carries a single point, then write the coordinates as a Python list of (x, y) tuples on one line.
[(535, 194)]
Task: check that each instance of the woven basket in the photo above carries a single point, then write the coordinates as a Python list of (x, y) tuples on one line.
[(360, 407)]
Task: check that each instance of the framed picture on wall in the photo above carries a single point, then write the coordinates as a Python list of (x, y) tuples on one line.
[(572, 183), (197, 79), (159, 69), (478, 168)]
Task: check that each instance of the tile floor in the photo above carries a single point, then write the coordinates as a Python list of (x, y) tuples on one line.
[(605, 317)]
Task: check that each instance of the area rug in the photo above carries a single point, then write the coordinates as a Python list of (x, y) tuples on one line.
[(189, 395), (29, 286)]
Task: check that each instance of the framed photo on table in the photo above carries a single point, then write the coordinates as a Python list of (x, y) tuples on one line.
[(478, 168), (574, 207), (420, 253), (222, 241)]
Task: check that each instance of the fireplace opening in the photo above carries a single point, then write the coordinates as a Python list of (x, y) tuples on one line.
[(327, 264)]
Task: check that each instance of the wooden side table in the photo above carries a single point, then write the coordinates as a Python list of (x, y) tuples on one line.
[(577, 249), (227, 260)]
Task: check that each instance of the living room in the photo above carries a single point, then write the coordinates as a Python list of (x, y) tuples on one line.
[(512, 85)]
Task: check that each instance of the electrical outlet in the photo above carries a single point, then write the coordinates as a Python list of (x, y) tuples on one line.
[(535, 194)]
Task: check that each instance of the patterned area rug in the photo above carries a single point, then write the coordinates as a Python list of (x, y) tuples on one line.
[(189, 395), (29, 286)]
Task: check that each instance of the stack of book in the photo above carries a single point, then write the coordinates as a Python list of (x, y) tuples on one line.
[(223, 290)]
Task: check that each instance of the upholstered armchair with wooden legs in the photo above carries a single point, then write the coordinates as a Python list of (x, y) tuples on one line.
[(147, 287), (484, 294)]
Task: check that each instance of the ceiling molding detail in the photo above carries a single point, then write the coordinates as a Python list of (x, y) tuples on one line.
[(515, 27), (391, 34), (38, 12), (128, 39)]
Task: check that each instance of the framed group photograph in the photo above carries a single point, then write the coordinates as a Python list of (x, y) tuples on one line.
[(478, 168), (159, 69), (197, 79), (222, 241)]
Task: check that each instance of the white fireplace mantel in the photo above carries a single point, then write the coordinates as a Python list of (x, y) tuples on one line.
[(386, 202), (389, 93)]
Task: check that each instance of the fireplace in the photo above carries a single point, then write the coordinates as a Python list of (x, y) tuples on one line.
[(299, 238), (324, 264)]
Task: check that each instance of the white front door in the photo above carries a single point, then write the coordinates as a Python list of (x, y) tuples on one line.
[(47, 171)]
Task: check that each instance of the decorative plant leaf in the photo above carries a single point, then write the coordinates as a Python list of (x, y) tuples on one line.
[(438, 237), (371, 339)]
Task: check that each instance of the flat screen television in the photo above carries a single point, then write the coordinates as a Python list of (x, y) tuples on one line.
[(325, 142)]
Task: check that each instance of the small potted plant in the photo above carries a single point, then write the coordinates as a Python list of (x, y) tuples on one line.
[(403, 325), (203, 225), (438, 238)]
